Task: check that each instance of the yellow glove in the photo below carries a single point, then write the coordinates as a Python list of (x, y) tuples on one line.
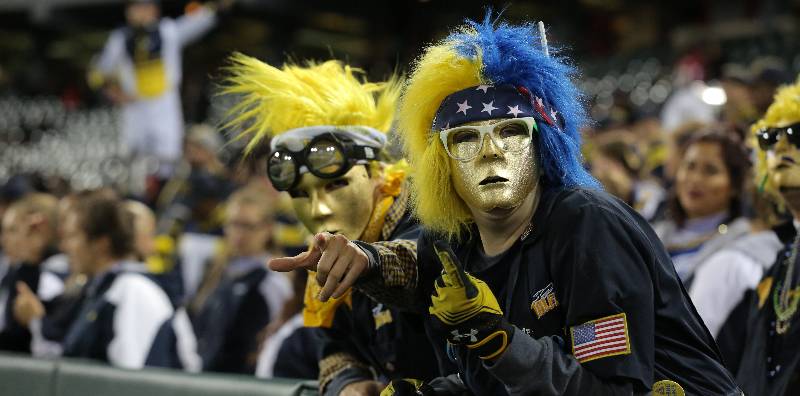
[(407, 387), (466, 309)]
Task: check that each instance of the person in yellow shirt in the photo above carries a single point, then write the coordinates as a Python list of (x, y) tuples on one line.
[(140, 69)]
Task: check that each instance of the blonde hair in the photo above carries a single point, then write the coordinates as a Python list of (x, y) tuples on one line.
[(438, 73), (42, 204), (785, 107), (328, 93)]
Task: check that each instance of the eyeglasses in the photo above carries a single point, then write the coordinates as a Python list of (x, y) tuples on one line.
[(464, 143), (768, 137), (326, 156)]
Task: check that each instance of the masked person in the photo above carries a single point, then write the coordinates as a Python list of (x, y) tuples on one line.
[(767, 364), (327, 150), (569, 291)]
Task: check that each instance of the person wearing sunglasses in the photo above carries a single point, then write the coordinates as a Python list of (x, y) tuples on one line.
[(768, 363), (327, 130), (534, 280)]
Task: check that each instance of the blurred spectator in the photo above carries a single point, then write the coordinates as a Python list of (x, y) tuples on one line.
[(13, 189), (617, 165), (191, 204), (49, 325), (692, 103), (28, 239), (676, 143), (768, 74), (144, 228), (140, 69), (705, 206), (739, 108), (722, 280), (149, 256), (122, 309), (287, 348), (238, 295)]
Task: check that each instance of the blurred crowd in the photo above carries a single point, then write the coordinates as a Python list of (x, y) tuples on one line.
[(109, 255)]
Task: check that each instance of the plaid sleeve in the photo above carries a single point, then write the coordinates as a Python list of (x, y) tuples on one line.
[(334, 364), (393, 280)]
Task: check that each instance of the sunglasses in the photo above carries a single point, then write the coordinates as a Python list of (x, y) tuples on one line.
[(464, 143), (327, 156), (768, 137)]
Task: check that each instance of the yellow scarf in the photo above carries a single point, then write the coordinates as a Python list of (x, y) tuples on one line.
[(321, 314)]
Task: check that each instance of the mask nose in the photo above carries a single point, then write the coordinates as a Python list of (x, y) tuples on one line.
[(489, 149), (319, 208)]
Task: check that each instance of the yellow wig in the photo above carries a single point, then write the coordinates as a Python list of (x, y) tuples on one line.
[(439, 73), (275, 100), (785, 108)]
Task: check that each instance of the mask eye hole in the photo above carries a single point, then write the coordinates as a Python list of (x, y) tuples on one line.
[(336, 184), (298, 193), (465, 136), (514, 129)]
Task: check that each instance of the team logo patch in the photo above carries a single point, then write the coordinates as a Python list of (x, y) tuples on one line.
[(601, 338), (544, 301), (668, 388), (381, 316)]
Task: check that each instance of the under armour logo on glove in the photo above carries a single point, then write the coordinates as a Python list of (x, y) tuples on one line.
[(471, 335), (466, 309)]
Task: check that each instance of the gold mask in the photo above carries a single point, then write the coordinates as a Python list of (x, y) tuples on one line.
[(342, 205), (494, 178), (783, 163)]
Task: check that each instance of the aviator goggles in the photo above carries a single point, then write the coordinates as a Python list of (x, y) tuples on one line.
[(326, 156), (768, 137)]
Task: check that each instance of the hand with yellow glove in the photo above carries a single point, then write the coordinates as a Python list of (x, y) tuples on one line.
[(467, 310), (408, 387)]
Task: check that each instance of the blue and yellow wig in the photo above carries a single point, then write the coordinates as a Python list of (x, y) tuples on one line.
[(487, 53)]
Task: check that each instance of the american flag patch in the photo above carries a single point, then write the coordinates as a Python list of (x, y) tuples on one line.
[(601, 338)]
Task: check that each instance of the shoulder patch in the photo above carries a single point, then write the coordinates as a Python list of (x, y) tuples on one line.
[(668, 388), (601, 338)]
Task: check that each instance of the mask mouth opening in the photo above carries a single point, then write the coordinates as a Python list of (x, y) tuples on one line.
[(493, 179)]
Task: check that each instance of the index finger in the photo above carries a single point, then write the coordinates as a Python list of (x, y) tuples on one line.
[(453, 270), (449, 264), (307, 260)]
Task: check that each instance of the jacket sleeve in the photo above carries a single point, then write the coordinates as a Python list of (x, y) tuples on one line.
[(192, 26), (540, 367), (340, 363), (393, 276), (141, 310)]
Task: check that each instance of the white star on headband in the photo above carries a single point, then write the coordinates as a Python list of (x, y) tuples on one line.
[(463, 107), (488, 107), (553, 114), (483, 88), (539, 101), (515, 111)]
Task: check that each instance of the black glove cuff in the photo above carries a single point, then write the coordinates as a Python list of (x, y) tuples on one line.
[(495, 342)]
